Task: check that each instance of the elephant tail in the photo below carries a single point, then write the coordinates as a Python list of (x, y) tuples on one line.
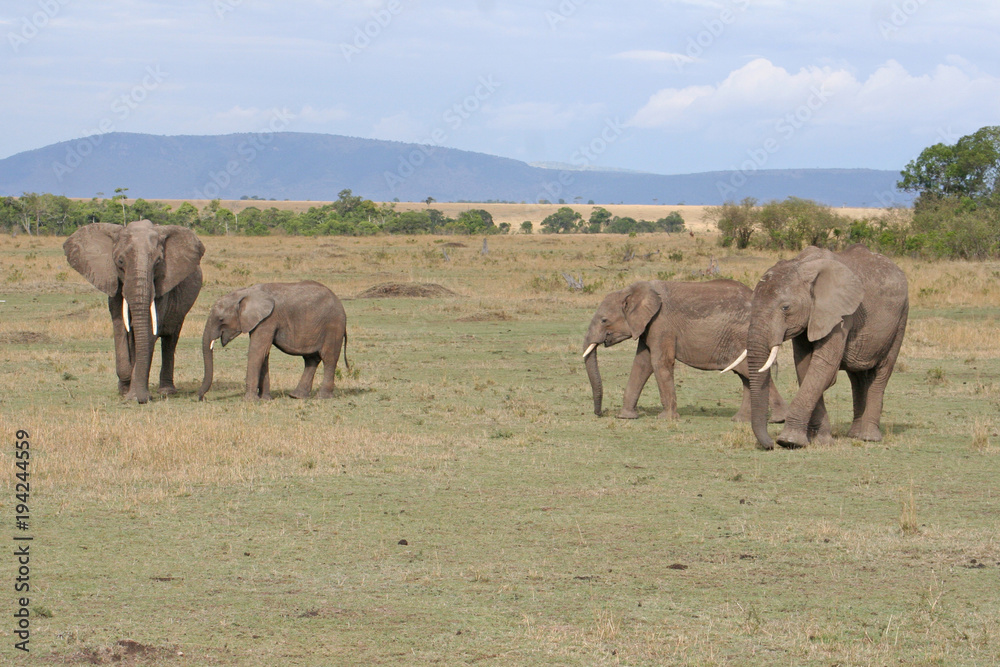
[(347, 364)]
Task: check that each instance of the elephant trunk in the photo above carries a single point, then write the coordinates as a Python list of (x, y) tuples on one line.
[(595, 378), (758, 356), (140, 299), (207, 343)]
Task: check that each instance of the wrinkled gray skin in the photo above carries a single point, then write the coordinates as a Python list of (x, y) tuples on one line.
[(703, 325), (303, 319), (141, 263), (842, 310)]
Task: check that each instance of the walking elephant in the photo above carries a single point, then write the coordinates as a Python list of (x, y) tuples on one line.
[(304, 319), (843, 310), (152, 276), (703, 325)]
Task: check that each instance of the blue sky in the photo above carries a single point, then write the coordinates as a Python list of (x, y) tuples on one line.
[(665, 86)]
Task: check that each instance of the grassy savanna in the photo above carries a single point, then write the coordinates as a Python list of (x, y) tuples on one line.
[(458, 502), (695, 217)]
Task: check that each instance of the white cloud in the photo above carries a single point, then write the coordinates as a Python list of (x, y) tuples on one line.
[(761, 90)]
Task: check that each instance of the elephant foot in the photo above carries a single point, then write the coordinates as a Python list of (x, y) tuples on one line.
[(627, 414), (777, 417), (322, 393), (265, 397), (251, 396), (669, 415), (298, 393), (138, 397), (167, 389), (123, 387), (821, 435), (866, 432), (741, 417), (792, 438)]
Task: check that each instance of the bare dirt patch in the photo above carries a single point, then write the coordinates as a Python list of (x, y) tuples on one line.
[(24, 337), (124, 652), (487, 316), (392, 290)]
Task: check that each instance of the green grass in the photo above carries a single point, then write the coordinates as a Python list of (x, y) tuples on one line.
[(535, 533)]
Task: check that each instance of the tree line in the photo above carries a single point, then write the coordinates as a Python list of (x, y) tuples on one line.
[(956, 214), (349, 215)]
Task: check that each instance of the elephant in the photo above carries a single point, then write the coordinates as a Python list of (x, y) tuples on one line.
[(844, 310), (152, 276), (702, 325), (304, 319)]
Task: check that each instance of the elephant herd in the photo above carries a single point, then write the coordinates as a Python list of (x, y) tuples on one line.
[(843, 310)]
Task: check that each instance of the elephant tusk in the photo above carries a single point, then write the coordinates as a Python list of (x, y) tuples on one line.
[(743, 355), (589, 350), (152, 314), (770, 359), (211, 345), (128, 327)]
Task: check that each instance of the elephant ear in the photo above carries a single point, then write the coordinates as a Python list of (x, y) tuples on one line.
[(836, 293), (253, 308), (89, 251), (641, 304), (182, 253)]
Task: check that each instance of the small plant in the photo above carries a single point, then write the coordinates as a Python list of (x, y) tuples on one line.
[(676, 256), (908, 511), (15, 276), (936, 376), (981, 435), (241, 271)]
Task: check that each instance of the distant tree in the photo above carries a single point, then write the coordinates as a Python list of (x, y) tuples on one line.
[(969, 169), (672, 223), (600, 218), (623, 225), (504, 227), (430, 200), (120, 196), (737, 222), (526, 227), (562, 221)]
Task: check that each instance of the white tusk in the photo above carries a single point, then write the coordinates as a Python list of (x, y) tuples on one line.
[(152, 314), (770, 359), (211, 345), (743, 355), (589, 350), (128, 327)]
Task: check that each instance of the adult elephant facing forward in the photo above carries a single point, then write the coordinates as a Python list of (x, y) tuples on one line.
[(152, 276), (843, 310)]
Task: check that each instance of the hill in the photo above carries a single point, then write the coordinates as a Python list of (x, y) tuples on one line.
[(301, 166)]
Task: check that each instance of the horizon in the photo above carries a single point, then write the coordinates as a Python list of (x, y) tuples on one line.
[(660, 87)]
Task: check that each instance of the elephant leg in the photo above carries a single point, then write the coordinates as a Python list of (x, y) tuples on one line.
[(743, 414), (642, 368), (260, 347), (330, 359), (860, 382), (168, 347), (663, 370), (265, 378), (124, 347), (308, 373), (807, 414), (779, 409), (868, 426)]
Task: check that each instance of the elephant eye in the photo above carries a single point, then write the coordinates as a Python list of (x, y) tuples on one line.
[(785, 308)]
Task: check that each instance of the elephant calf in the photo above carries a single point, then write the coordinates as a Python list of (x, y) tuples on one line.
[(304, 319), (703, 325)]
